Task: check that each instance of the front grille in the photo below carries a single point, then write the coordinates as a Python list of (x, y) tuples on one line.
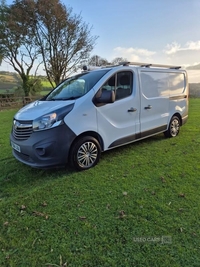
[(22, 129)]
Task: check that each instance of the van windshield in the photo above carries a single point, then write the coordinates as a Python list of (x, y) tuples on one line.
[(76, 86)]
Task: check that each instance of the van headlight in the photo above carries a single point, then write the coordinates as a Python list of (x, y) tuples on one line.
[(46, 122), (51, 120)]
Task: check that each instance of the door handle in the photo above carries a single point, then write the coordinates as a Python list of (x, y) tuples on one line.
[(132, 109), (148, 107)]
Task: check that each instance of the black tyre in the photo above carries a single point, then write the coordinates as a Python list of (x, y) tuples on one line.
[(85, 153), (174, 127)]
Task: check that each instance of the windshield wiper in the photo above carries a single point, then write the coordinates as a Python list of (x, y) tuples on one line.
[(64, 98)]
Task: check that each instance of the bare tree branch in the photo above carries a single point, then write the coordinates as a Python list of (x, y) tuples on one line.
[(17, 40)]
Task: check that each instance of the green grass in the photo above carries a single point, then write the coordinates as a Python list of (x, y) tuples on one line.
[(138, 207), (46, 84)]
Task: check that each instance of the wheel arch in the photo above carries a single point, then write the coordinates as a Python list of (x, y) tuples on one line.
[(89, 133), (177, 115)]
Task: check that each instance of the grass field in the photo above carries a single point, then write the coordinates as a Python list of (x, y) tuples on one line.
[(140, 206)]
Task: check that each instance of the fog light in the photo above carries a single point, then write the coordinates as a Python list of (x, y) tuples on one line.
[(41, 151)]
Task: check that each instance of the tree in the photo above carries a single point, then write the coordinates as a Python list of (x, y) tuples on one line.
[(2, 4), (17, 41), (1, 56), (97, 61), (35, 85), (46, 30), (63, 38), (117, 60)]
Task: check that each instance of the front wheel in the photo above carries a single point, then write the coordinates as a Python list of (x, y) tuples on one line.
[(174, 127), (85, 153)]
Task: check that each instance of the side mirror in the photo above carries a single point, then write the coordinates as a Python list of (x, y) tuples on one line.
[(106, 97)]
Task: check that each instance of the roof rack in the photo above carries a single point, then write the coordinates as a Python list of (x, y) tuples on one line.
[(147, 65)]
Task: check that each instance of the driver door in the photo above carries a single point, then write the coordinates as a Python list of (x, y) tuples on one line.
[(117, 121)]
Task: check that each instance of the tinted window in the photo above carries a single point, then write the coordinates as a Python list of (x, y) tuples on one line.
[(121, 83)]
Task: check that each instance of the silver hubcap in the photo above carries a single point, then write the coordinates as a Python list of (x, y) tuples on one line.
[(87, 154), (175, 127)]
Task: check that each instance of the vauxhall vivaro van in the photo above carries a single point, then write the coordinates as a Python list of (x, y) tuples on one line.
[(98, 110)]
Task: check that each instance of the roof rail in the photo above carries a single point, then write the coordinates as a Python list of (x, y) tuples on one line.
[(147, 65)]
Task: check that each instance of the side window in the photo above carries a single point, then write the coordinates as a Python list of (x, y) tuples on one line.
[(121, 83), (124, 84), (110, 84)]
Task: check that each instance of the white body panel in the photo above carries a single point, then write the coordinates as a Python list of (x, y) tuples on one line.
[(116, 121), (83, 116)]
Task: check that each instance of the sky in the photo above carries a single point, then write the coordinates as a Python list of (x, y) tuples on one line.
[(152, 31)]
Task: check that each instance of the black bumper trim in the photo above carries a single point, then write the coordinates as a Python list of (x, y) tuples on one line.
[(44, 149)]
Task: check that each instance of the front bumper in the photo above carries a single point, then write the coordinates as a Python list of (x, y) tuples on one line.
[(44, 149)]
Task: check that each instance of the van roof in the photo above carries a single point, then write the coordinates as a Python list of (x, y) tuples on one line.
[(130, 64), (139, 64)]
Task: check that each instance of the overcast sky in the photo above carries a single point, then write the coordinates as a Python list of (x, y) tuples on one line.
[(153, 31)]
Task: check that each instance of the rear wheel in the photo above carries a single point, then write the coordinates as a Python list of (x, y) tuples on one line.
[(174, 127), (85, 153)]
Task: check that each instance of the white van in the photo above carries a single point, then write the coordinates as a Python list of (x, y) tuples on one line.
[(99, 110)]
